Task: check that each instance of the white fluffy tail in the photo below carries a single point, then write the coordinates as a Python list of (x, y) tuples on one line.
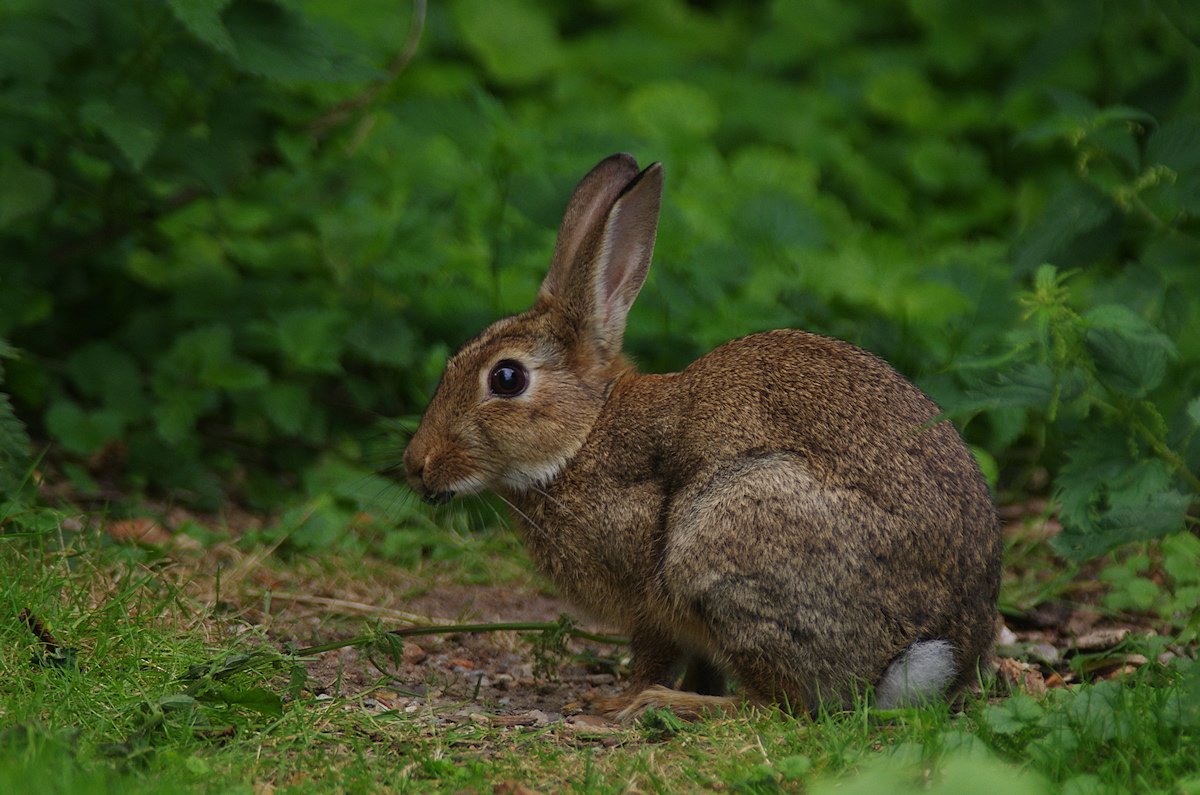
[(921, 674)]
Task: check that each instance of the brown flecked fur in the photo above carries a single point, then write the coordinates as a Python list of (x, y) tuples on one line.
[(781, 510)]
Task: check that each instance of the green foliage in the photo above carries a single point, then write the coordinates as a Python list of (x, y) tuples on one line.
[(229, 245), (1074, 733), (1171, 589), (1103, 373), (14, 442), (1103, 369)]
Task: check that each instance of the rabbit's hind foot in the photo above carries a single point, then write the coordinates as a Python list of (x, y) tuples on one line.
[(687, 706)]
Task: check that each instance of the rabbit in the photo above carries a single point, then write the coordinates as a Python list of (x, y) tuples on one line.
[(788, 510)]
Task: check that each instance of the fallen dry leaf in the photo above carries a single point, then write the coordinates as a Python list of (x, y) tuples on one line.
[(413, 654), (532, 718), (1021, 677), (141, 529), (1100, 639), (510, 787)]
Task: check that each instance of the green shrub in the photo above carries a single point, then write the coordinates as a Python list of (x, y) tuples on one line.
[(230, 244)]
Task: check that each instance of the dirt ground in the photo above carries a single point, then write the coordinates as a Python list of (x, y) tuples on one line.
[(494, 677), (488, 676)]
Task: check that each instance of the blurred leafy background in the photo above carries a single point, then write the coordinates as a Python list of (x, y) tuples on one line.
[(235, 235)]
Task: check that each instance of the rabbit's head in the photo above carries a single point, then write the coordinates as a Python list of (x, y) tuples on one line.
[(516, 403)]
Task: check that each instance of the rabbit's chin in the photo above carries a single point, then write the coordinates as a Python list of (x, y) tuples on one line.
[(534, 476)]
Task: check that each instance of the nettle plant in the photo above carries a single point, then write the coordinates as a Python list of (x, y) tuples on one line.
[(1102, 374), (1125, 475)]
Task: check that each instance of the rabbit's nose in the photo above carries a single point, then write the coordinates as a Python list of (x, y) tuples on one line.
[(414, 468)]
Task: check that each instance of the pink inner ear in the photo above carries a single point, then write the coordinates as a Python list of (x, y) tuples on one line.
[(618, 261)]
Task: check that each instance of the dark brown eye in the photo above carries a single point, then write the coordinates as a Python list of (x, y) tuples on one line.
[(508, 379)]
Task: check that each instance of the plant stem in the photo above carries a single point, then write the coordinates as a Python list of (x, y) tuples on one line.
[(511, 626), (1170, 456)]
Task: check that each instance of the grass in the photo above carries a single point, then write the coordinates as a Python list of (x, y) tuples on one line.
[(126, 717)]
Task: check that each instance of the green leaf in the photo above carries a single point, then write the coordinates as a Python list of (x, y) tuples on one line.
[(1130, 354), (1093, 710), (799, 32), (1108, 498), (102, 371), (514, 39), (129, 121), (1029, 385), (903, 95), (297, 679), (1158, 515), (660, 723), (674, 109), (205, 356), (1097, 464), (393, 646), (794, 767), (179, 408), (1123, 115), (384, 340), (177, 701), (1073, 212), (14, 441), (316, 525), (288, 406), (1194, 410), (234, 375), (258, 699), (63, 658), (82, 432), (1072, 104), (311, 339), (987, 465), (24, 189), (202, 18), (14, 449), (1017, 714), (1176, 145), (277, 43)]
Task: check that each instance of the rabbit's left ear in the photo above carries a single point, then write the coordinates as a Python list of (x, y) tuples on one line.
[(624, 256), (604, 249)]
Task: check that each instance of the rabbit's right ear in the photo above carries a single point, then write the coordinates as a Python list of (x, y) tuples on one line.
[(604, 248)]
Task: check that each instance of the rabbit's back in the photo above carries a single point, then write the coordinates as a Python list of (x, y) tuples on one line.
[(853, 419)]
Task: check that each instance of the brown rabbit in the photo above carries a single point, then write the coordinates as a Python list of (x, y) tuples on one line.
[(786, 510)]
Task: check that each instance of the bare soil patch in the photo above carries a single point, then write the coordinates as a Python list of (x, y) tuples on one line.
[(488, 677)]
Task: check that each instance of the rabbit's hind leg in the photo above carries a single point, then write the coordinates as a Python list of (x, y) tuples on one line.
[(779, 571), (656, 664), (688, 706)]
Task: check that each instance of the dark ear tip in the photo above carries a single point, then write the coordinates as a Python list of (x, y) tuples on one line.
[(651, 175)]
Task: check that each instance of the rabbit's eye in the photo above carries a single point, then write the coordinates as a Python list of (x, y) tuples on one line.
[(508, 379)]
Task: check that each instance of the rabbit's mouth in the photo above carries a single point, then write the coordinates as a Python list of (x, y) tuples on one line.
[(437, 498)]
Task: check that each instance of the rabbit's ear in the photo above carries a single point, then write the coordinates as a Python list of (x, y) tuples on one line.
[(586, 212), (601, 266), (624, 257)]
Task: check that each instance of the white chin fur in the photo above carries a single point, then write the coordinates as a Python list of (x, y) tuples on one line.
[(921, 674), (467, 486), (539, 475)]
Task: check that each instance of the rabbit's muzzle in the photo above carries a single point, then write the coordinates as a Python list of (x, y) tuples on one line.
[(414, 473)]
